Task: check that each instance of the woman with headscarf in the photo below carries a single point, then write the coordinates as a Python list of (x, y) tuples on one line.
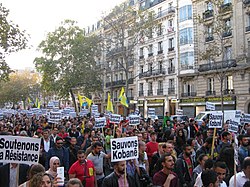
[(53, 164)]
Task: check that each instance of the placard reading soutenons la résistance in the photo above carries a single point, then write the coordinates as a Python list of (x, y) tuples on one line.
[(124, 148), (18, 149)]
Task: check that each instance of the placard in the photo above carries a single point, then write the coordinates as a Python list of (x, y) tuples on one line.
[(94, 109), (124, 148), (151, 111), (115, 118), (179, 112), (245, 118), (55, 117), (134, 120), (100, 122), (233, 126), (19, 149), (210, 106), (215, 120)]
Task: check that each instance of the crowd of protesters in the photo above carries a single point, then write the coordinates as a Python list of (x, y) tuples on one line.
[(171, 154)]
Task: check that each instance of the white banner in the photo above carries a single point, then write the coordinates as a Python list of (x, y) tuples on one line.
[(215, 120), (179, 112), (151, 111), (72, 114), (233, 126), (19, 149), (115, 118), (94, 109), (100, 122), (134, 120), (124, 148), (245, 118), (55, 117), (210, 106)]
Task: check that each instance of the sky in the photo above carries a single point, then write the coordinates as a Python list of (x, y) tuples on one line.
[(38, 17)]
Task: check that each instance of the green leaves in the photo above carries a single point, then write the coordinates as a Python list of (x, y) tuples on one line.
[(12, 39), (68, 60)]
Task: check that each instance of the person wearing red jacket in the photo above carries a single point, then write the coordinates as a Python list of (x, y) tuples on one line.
[(152, 146)]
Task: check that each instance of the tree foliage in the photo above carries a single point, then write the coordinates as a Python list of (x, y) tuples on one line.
[(68, 60), (12, 39), (19, 87)]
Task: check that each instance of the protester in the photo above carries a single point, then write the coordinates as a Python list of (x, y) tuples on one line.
[(74, 182), (201, 166), (209, 178), (54, 163)]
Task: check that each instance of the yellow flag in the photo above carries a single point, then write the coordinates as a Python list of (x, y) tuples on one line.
[(110, 104), (29, 100), (80, 100), (89, 101), (38, 104), (123, 98)]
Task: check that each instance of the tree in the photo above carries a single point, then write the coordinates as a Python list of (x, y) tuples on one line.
[(12, 39), (68, 61), (124, 28), (215, 25), (20, 86)]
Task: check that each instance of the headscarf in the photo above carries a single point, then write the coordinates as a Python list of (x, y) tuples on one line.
[(51, 163)]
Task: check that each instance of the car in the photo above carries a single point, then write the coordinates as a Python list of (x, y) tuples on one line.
[(180, 118)]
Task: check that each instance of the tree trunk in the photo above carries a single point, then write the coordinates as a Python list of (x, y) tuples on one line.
[(74, 100)]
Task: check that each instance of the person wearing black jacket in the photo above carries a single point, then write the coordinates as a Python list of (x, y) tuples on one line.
[(118, 176), (73, 149), (184, 167)]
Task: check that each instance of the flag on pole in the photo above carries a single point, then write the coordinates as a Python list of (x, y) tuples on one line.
[(123, 98), (80, 99), (37, 104), (89, 101), (110, 104), (29, 100)]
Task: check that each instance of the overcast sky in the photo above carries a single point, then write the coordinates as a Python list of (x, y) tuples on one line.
[(38, 17)]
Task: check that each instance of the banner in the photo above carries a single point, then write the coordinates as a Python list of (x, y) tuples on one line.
[(179, 112), (233, 126), (124, 148), (55, 117), (215, 120), (134, 120), (151, 111), (115, 118), (245, 118), (19, 149), (94, 109), (210, 106), (100, 122)]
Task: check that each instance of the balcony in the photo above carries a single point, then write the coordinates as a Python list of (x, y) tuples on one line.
[(108, 84), (155, 72), (226, 8), (209, 39), (160, 52), (210, 92), (150, 54), (119, 83), (228, 91), (248, 28), (159, 91), (227, 34), (141, 57), (246, 2), (208, 14), (188, 94), (171, 10), (170, 49), (141, 93), (171, 90), (131, 81), (171, 70), (150, 92), (217, 65)]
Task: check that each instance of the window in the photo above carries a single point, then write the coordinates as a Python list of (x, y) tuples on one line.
[(209, 5), (141, 69), (170, 23), (159, 12), (160, 66), (186, 36), (116, 77), (228, 25), (115, 94), (171, 83), (121, 76), (160, 46), (108, 79), (228, 53), (171, 43), (187, 88), (141, 87), (229, 82), (248, 49), (187, 59), (171, 64), (185, 13), (150, 33), (160, 85), (150, 49), (130, 93), (150, 86), (209, 31), (159, 29), (248, 20), (210, 84), (130, 74), (150, 68), (141, 51)]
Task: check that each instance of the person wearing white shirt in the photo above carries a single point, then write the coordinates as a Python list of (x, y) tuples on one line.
[(221, 170), (242, 176)]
